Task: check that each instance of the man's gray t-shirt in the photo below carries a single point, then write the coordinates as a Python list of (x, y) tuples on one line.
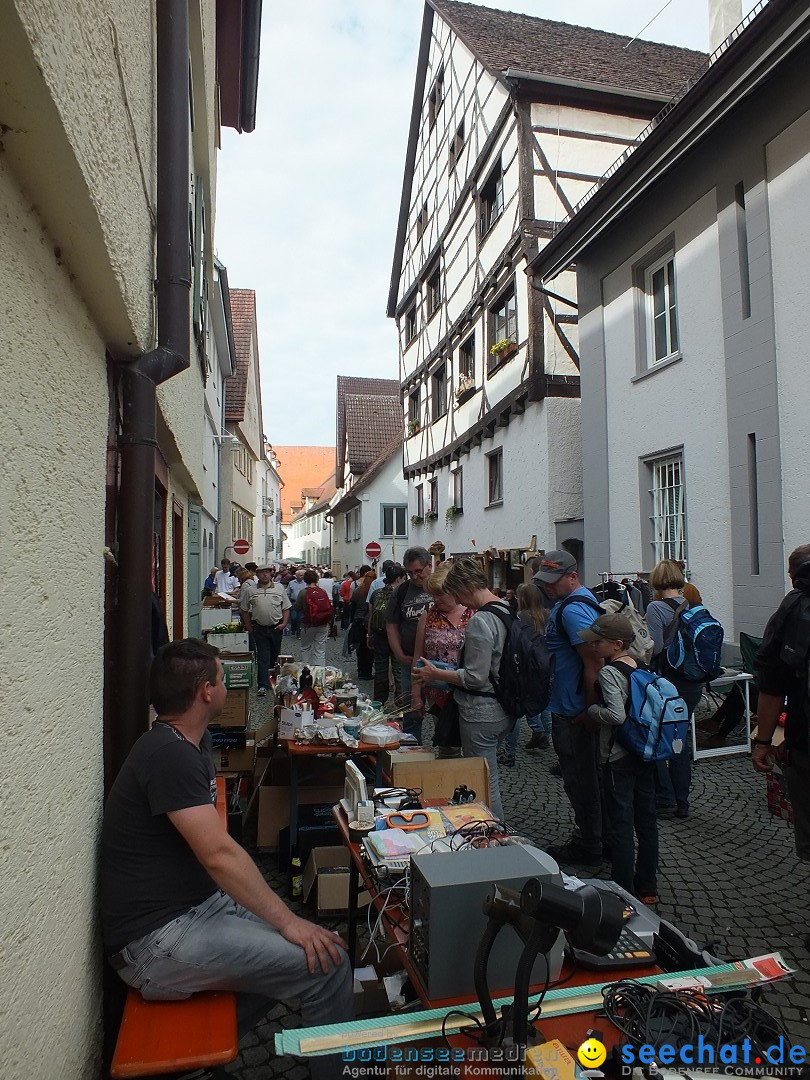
[(405, 610), (149, 874)]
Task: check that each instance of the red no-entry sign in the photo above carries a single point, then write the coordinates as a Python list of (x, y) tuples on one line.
[(373, 550), (241, 547)]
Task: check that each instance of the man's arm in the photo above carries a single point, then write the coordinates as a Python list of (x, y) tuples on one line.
[(769, 709), (417, 702), (233, 870), (285, 612), (591, 666)]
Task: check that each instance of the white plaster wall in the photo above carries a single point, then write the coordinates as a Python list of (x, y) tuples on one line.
[(388, 487), (53, 434), (536, 484), (788, 165), (683, 404)]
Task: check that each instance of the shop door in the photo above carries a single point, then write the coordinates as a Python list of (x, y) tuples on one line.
[(195, 578)]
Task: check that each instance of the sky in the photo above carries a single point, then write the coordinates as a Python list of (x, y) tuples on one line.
[(307, 204)]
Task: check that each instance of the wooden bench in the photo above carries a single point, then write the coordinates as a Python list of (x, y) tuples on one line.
[(158, 1037)]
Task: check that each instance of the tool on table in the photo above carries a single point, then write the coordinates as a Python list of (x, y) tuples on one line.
[(462, 794), (629, 951)]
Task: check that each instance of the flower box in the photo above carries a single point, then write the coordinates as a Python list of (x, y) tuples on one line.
[(502, 350), (466, 388)]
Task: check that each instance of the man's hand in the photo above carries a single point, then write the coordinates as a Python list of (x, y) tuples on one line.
[(762, 758), (586, 720), (317, 942)]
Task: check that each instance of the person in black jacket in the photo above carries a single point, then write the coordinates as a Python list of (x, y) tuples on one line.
[(783, 668)]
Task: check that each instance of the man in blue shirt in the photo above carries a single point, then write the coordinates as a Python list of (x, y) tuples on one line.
[(573, 733)]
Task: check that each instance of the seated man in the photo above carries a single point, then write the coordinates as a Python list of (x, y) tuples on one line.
[(184, 907)]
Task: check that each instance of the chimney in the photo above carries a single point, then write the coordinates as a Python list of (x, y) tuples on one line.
[(724, 16)]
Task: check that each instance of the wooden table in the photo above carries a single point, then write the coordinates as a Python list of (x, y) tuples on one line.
[(300, 752)]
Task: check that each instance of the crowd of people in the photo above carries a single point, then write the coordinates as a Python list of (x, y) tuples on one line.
[(184, 907)]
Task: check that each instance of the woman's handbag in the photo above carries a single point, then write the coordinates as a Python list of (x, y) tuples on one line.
[(447, 730)]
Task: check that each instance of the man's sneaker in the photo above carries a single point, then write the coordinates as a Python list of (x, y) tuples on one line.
[(574, 855), (262, 691), (508, 761), (538, 741)]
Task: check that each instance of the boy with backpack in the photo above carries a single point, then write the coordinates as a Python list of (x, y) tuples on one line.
[(640, 717)]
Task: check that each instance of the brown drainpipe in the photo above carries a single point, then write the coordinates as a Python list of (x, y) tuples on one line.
[(138, 441)]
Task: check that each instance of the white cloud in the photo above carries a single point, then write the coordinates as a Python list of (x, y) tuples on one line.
[(307, 204)]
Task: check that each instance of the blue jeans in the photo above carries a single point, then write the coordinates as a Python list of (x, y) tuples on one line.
[(220, 945), (538, 725), (629, 791), (295, 621), (576, 748)]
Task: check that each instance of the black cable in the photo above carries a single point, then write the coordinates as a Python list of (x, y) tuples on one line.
[(463, 1031)]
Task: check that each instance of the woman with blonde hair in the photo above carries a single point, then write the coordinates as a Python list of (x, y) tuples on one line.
[(439, 637), (482, 720), (673, 778), (531, 610)]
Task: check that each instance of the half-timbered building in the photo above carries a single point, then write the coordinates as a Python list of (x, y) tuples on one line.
[(514, 119)]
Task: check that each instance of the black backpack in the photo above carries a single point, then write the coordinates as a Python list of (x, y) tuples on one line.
[(523, 685)]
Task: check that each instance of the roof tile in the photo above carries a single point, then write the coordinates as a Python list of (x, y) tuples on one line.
[(503, 39), (243, 318)]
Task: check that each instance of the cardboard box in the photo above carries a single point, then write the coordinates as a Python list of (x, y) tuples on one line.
[(213, 614), (274, 809), (293, 719), (229, 643), (405, 753), (236, 710), (236, 760), (238, 672), (327, 869), (440, 777), (228, 739)]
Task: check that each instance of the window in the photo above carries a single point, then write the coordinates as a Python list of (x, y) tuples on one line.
[(742, 252), (466, 358), (456, 146), (436, 97), (662, 315), (421, 221), (413, 406), (241, 525), (420, 501), (356, 513), (495, 476), (244, 463), (394, 521), (458, 489), (490, 200), (433, 291), (668, 508), (503, 326), (348, 526), (410, 324), (439, 384), (433, 496)]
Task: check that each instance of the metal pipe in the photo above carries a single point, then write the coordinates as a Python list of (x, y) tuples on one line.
[(138, 441)]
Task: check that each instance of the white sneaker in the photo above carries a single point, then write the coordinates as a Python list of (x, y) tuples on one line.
[(262, 691)]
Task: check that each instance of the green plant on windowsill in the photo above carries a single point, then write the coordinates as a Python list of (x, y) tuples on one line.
[(413, 427), (416, 519), (431, 515), (503, 348), (451, 512)]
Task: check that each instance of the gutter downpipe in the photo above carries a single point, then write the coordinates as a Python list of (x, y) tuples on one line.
[(140, 379)]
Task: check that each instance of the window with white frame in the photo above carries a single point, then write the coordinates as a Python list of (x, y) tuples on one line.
[(495, 477), (433, 496), (458, 489), (420, 501), (466, 358), (393, 521), (357, 511), (410, 324), (348, 517), (668, 495), (661, 309), (241, 525), (413, 406)]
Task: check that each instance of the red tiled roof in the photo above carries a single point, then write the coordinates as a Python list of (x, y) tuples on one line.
[(243, 317), (302, 467), (372, 421), (371, 472), (504, 39)]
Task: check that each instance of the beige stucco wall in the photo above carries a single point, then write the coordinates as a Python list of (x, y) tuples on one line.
[(52, 441)]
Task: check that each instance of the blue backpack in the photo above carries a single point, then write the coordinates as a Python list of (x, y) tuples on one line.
[(657, 717), (694, 643)]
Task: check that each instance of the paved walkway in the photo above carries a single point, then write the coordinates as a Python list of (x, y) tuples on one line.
[(727, 874)]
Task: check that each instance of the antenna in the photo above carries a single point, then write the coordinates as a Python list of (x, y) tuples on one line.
[(652, 20)]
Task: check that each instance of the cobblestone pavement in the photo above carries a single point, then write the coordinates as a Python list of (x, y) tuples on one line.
[(727, 874)]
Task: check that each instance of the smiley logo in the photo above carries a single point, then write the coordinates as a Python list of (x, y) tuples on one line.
[(592, 1054)]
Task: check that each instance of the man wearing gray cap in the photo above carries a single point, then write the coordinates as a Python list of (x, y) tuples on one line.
[(572, 730)]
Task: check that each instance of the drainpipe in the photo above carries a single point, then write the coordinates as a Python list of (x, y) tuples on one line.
[(140, 379)]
